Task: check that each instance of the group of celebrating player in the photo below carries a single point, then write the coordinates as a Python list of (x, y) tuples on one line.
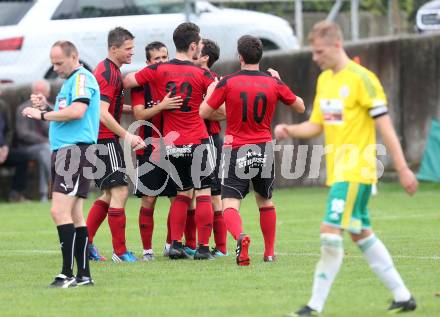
[(170, 94), (183, 100)]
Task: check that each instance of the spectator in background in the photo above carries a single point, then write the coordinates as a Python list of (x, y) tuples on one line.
[(12, 157), (32, 137)]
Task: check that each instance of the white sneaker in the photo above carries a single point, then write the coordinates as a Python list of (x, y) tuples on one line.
[(148, 255), (166, 250), (62, 281)]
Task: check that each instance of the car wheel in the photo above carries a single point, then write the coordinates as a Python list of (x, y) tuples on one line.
[(268, 45)]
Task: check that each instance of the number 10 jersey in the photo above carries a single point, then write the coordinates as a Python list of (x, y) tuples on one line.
[(250, 97)]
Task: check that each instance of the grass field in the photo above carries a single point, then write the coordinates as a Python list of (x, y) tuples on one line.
[(29, 259)]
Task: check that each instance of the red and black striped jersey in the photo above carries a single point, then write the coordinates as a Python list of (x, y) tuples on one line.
[(213, 126), (109, 79), (143, 96), (250, 97), (184, 79)]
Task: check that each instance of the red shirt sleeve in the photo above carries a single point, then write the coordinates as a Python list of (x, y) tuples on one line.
[(285, 94), (137, 96), (146, 75), (218, 96)]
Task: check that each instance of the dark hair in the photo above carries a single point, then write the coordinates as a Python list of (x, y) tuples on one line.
[(156, 45), (210, 49), (185, 34), (67, 47), (250, 48), (118, 36)]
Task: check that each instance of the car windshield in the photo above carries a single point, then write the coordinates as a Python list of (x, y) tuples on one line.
[(82, 9), (11, 12)]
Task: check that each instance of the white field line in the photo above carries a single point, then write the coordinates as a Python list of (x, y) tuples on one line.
[(5, 233), (28, 252), (374, 218), (394, 256), (303, 220)]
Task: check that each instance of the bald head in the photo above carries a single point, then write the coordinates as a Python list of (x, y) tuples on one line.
[(64, 58), (67, 47)]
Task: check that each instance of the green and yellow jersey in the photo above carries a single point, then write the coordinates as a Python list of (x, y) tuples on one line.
[(346, 104)]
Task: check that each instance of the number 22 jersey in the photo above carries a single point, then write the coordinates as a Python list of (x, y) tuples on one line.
[(184, 79)]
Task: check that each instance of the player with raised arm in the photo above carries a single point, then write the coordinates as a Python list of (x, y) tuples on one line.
[(182, 78), (250, 98)]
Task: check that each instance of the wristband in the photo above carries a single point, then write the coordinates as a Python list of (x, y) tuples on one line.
[(42, 115)]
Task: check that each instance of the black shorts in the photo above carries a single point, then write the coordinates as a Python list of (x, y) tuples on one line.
[(254, 162), (113, 159), (216, 185), (191, 165), (155, 182), (69, 167)]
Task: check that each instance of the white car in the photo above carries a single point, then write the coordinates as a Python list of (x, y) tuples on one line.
[(29, 28), (428, 17)]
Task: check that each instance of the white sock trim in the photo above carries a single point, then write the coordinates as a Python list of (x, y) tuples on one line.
[(365, 243)]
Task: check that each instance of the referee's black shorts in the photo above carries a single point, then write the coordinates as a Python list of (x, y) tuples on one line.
[(69, 170)]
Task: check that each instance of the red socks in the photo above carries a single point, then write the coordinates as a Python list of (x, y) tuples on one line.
[(146, 226), (204, 217), (96, 216), (233, 222), (190, 229), (178, 211), (220, 231), (116, 221), (168, 228), (268, 219)]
